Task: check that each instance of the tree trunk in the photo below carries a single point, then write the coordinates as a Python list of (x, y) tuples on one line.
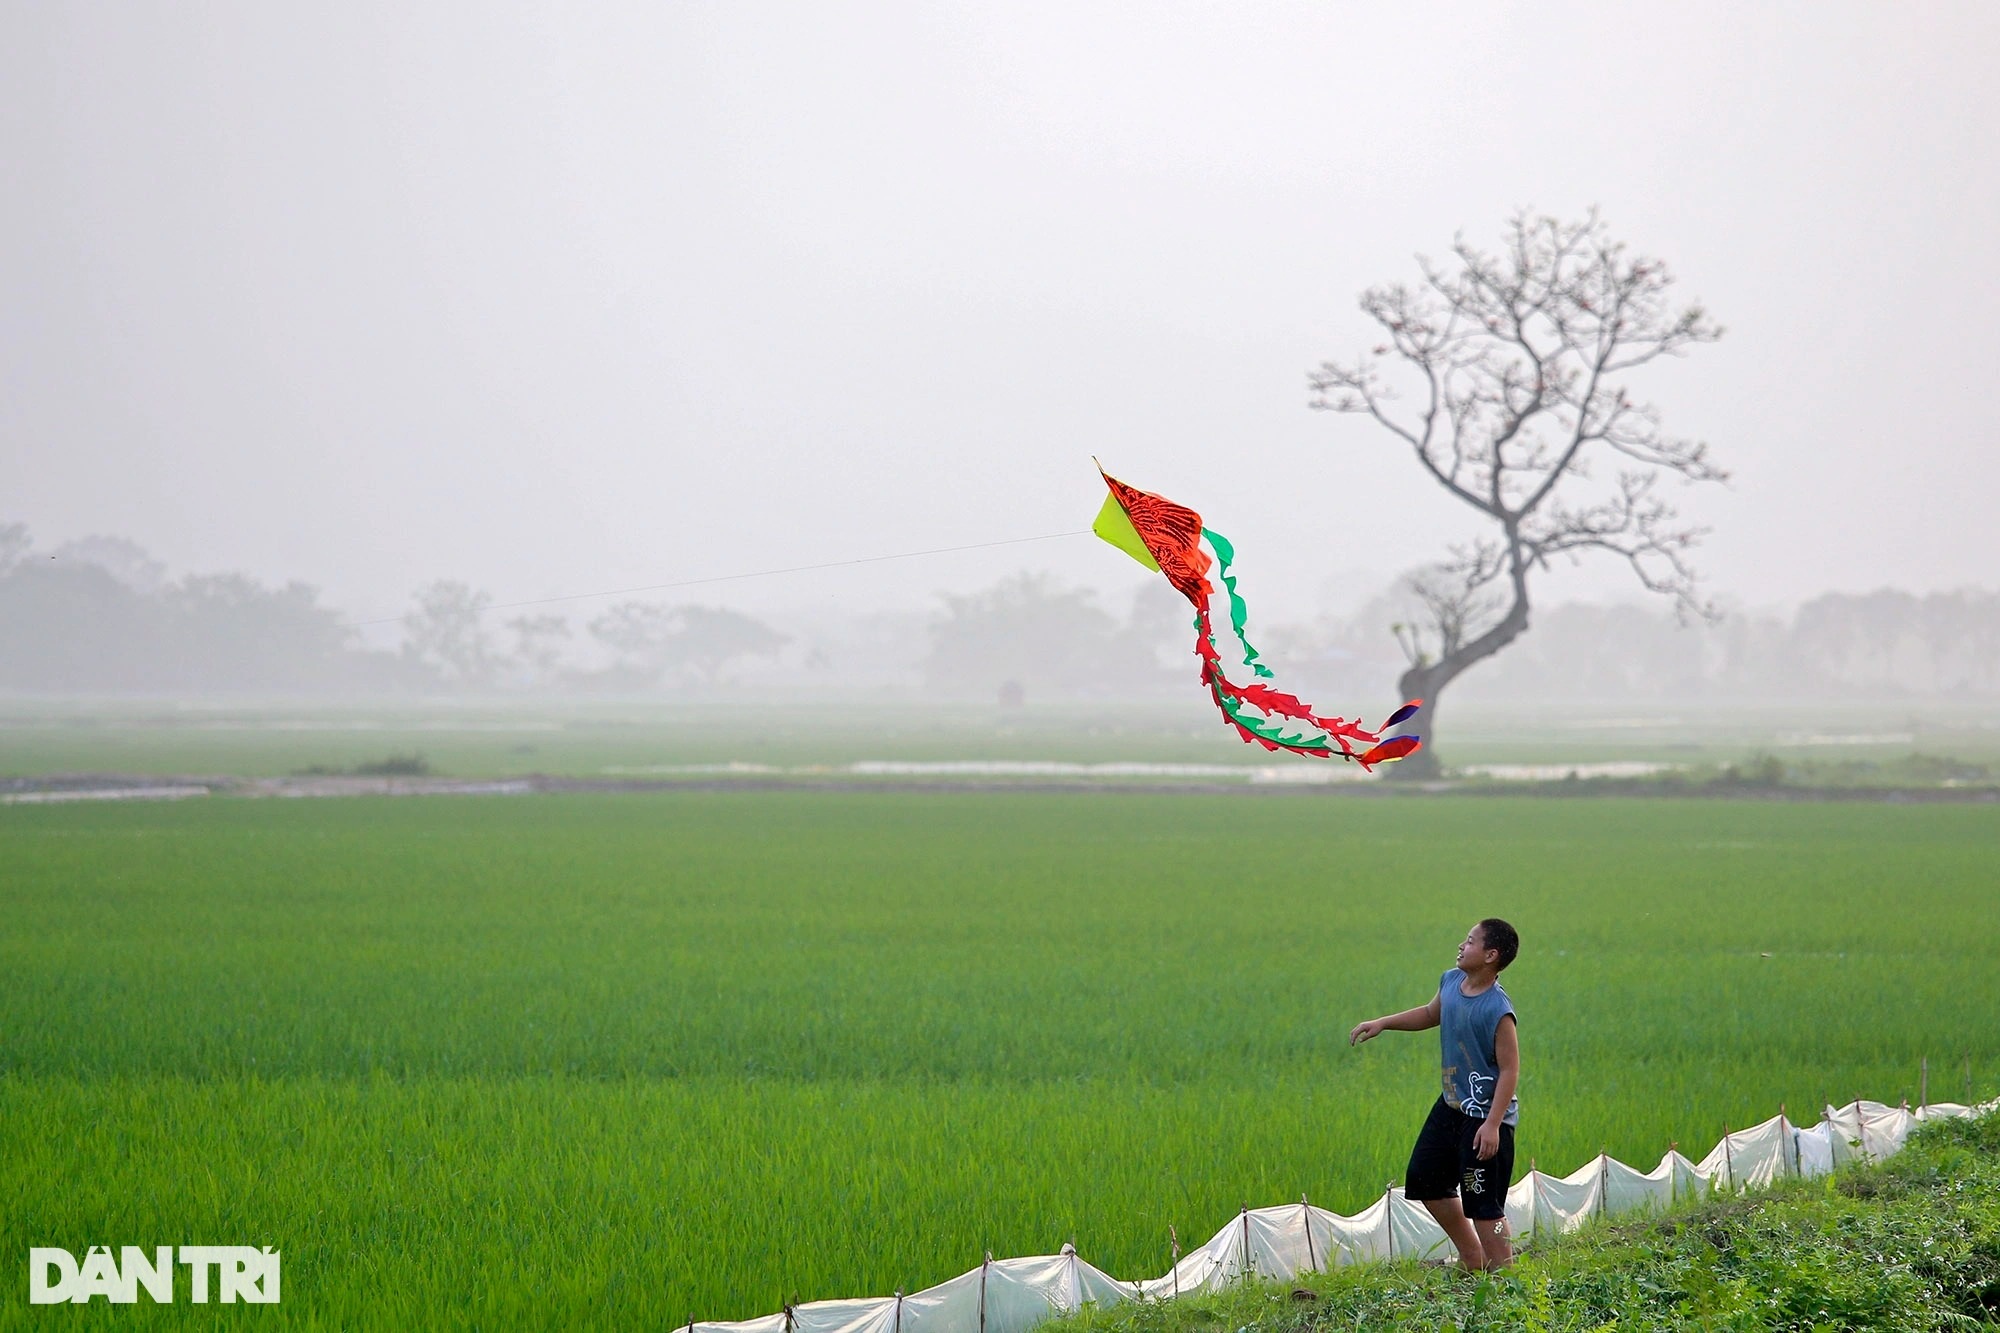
[(1427, 682), (1424, 683)]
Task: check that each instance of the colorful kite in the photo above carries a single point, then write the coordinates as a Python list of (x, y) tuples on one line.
[(1167, 537)]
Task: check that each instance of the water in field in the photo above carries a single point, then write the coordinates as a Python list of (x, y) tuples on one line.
[(636, 1057)]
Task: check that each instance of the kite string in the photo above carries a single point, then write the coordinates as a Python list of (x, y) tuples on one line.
[(752, 574)]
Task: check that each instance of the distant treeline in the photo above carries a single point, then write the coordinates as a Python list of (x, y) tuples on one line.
[(74, 625), (1051, 642), (99, 616), (1874, 645)]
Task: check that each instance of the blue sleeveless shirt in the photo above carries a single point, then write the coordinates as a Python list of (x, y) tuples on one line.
[(1466, 1027)]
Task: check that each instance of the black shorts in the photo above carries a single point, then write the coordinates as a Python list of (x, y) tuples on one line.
[(1443, 1164)]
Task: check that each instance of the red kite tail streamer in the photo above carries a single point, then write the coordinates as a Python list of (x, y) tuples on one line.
[(1168, 537)]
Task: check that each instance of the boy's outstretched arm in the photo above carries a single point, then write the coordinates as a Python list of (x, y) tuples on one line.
[(1507, 1055), (1419, 1019)]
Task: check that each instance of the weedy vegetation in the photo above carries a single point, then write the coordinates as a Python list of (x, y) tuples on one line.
[(1908, 1245)]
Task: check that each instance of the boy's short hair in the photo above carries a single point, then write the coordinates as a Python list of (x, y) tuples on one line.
[(1499, 935)]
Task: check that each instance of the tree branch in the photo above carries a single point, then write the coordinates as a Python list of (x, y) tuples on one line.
[(1518, 356)]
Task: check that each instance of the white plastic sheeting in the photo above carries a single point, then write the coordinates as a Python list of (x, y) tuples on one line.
[(1011, 1295), (999, 1295)]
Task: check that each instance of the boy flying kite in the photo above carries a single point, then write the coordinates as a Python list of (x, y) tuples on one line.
[(1464, 1156)]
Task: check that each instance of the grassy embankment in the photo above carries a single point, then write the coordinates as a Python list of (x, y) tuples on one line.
[(1908, 1245)]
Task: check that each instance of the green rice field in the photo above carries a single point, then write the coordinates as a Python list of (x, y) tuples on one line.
[(621, 1060)]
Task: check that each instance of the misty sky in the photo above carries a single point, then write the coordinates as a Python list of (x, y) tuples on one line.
[(583, 297)]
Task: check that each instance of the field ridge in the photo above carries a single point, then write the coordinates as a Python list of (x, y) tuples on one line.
[(1908, 1244)]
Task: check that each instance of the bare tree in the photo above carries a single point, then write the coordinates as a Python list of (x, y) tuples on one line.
[(447, 632), (1448, 602), (642, 635), (538, 644), (1504, 374)]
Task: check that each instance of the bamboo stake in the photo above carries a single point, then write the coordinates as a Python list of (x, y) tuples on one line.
[(982, 1290), (1306, 1214)]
